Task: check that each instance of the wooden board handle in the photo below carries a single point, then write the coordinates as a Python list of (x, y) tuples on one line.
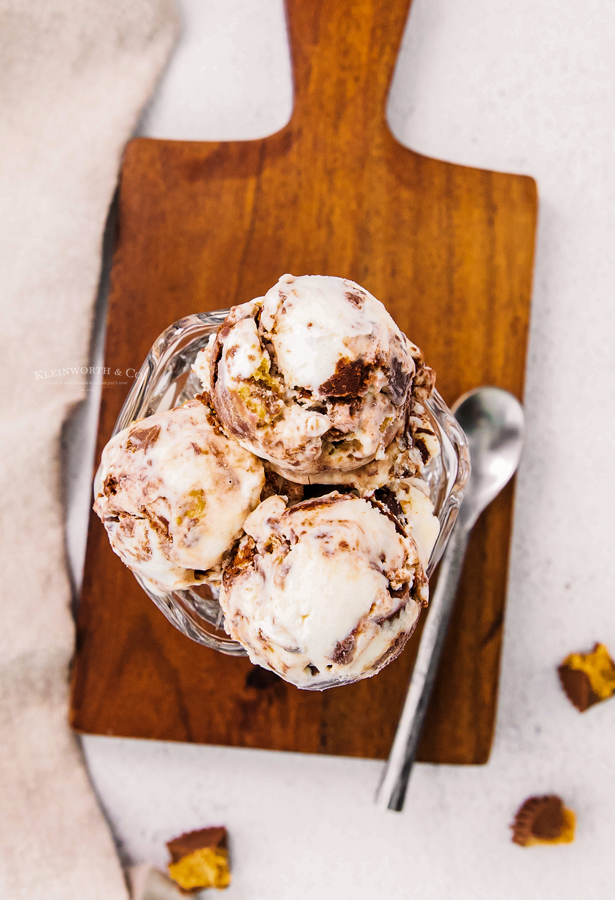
[(344, 53)]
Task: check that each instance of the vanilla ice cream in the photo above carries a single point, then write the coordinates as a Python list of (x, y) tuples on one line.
[(324, 592), (315, 376), (173, 493)]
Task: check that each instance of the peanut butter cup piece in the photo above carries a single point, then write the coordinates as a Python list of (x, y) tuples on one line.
[(543, 820), (588, 678), (199, 859)]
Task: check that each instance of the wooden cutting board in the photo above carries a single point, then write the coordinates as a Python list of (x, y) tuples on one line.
[(202, 226)]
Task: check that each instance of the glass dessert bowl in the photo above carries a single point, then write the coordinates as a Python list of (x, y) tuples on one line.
[(166, 380)]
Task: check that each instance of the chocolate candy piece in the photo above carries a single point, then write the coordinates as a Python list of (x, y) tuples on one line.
[(543, 820), (588, 678), (199, 859)]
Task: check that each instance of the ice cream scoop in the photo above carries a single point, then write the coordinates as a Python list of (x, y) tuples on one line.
[(324, 592), (410, 451), (173, 493), (315, 376)]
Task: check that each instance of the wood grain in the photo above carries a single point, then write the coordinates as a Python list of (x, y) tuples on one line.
[(448, 249)]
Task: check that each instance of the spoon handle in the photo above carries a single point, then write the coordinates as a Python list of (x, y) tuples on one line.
[(392, 789)]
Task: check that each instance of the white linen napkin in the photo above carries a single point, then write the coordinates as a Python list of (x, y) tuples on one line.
[(74, 75)]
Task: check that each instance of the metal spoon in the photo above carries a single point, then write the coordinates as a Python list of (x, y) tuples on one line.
[(493, 422)]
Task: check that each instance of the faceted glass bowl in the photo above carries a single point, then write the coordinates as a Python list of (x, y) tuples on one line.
[(166, 380)]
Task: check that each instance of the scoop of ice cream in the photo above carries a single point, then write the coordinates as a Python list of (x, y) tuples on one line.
[(325, 592), (410, 451), (173, 494), (315, 376)]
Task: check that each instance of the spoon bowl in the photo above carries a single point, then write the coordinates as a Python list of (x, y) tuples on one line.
[(493, 422)]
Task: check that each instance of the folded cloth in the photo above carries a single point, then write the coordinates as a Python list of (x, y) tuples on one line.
[(148, 883), (74, 77)]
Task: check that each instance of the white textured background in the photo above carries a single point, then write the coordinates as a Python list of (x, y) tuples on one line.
[(527, 87)]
